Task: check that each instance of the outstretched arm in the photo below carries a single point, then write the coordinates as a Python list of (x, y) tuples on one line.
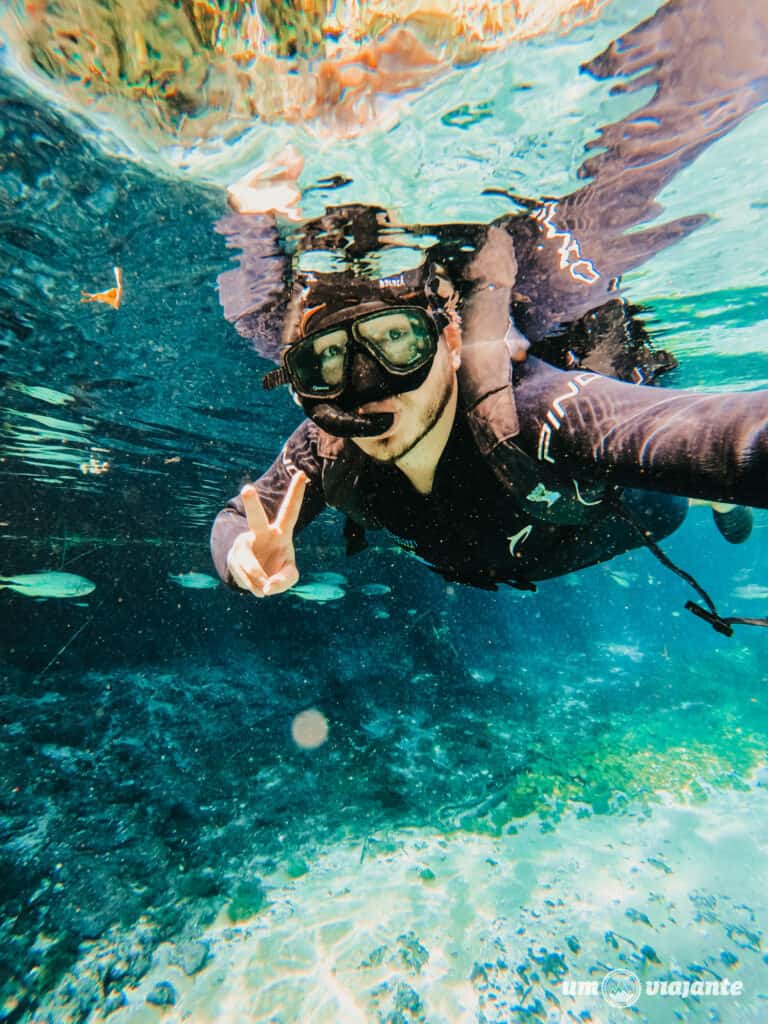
[(712, 446)]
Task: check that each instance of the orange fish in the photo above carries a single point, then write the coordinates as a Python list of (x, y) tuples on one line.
[(111, 297)]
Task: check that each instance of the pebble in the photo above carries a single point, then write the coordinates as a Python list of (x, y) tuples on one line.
[(163, 994), (191, 956)]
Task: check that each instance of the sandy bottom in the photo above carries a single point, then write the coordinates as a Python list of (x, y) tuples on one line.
[(469, 929)]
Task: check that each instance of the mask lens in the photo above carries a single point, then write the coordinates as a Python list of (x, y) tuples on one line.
[(402, 339), (317, 363)]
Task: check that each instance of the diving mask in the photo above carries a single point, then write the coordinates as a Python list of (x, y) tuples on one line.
[(353, 360), (402, 340)]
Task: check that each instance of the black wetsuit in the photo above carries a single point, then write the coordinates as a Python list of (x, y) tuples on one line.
[(584, 426), (564, 262)]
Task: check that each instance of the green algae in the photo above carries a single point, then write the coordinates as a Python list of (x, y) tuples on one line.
[(247, 900), (636, 757)]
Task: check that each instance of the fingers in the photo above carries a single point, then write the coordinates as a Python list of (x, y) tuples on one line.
[(244, 567), (254, 510), (285, 165), (289, 162), (290, 508), (249, 574), (281, 581)]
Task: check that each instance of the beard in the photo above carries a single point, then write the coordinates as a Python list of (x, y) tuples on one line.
[(418, 415)]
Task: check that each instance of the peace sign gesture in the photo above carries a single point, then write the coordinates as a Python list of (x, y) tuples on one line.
[(262, 559)]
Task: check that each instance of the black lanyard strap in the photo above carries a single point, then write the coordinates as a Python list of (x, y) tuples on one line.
[(709, 614)]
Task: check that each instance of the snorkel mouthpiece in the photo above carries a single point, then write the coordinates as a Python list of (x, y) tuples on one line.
[(331, 418)]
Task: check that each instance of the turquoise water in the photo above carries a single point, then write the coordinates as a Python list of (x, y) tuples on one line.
[(517, 791)]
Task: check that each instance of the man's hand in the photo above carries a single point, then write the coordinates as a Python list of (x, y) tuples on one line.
[(262, 559)]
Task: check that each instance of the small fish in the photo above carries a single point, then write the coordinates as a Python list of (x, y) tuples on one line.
[(334, 578), (376, 589), (624, 579), (194, 580), (317, 592), (48, 584), (112, 296), (752, 592)]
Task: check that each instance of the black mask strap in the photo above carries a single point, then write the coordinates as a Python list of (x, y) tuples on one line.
[(275, 378)]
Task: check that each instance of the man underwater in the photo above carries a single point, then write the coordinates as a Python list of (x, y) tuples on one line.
[(428, 417)]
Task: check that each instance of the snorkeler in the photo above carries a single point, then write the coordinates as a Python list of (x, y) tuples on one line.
[(428, 416), (492, 466)]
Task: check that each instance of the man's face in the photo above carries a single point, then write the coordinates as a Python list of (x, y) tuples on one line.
[(416, 412)]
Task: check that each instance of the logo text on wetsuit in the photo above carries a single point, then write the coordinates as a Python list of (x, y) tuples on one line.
[(556, 413)]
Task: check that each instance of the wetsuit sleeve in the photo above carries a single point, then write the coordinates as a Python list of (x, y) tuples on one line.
[(712, 446), (298, 453)]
